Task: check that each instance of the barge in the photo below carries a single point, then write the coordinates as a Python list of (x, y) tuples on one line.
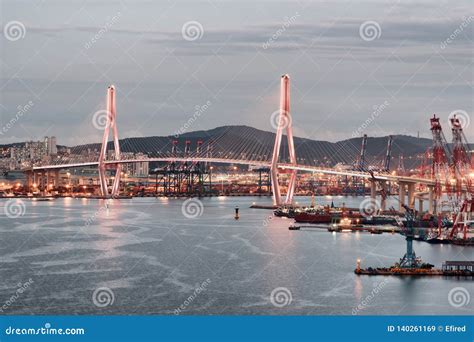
[(449, 269)]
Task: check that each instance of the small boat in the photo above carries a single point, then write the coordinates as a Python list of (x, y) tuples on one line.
[(42, 199), (375, 231), (285, 212), (436, 238)]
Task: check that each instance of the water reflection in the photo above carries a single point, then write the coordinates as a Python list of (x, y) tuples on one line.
[(153, 254)]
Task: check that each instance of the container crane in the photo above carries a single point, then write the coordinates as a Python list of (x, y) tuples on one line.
[(440, 162), (388, 156), (361, 161)]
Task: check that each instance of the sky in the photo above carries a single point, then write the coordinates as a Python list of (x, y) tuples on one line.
[(356, 67)]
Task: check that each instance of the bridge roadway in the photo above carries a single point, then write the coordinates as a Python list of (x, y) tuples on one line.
[(282, 166)]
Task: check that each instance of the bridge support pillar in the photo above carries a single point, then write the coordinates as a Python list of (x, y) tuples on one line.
[(29, 179), (47, 180), (283, 122), (383, 199), (110, 124), (401, 195), (373, 190), (431, 200), (420, 205), (411, 195), (56, 179)]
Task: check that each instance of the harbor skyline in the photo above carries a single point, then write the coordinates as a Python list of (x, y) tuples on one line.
[(307, 165)]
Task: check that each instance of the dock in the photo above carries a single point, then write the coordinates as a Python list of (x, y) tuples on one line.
[(349, 229)]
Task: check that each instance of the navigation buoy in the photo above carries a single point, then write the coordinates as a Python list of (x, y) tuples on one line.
[(236, 213)]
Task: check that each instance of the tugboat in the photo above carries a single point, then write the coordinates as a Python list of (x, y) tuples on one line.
[(281, 212), (289, 212)]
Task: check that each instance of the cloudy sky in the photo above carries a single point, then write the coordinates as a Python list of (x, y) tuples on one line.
[(345, 59)]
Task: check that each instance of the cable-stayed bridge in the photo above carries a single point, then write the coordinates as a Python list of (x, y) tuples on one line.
[(275, 151)]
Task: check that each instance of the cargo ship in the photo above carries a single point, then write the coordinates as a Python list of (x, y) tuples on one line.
[(342, 217), (313, 216)]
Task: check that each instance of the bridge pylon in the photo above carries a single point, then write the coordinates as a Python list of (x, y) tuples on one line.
[(283, 122), (111, 124)]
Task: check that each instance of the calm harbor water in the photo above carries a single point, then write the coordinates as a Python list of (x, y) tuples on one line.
[(152, 259)]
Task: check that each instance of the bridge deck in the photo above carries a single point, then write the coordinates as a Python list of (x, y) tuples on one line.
[(306, 168)]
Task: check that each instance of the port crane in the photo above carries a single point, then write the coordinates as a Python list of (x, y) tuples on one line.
[(440, 162), (461, 168), (361, 161), (409, 260), (388, 156)]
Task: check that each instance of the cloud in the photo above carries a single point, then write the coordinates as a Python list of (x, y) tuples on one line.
[(336, 75)]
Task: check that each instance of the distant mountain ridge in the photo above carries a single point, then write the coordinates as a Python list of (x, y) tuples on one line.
[(408, 146)]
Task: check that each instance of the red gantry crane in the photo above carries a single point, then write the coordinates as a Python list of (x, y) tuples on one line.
[(440, 163), (461, 170)]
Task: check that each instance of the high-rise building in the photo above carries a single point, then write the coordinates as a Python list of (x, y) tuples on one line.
[(50, 146), (140, 169), (53, 146)]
